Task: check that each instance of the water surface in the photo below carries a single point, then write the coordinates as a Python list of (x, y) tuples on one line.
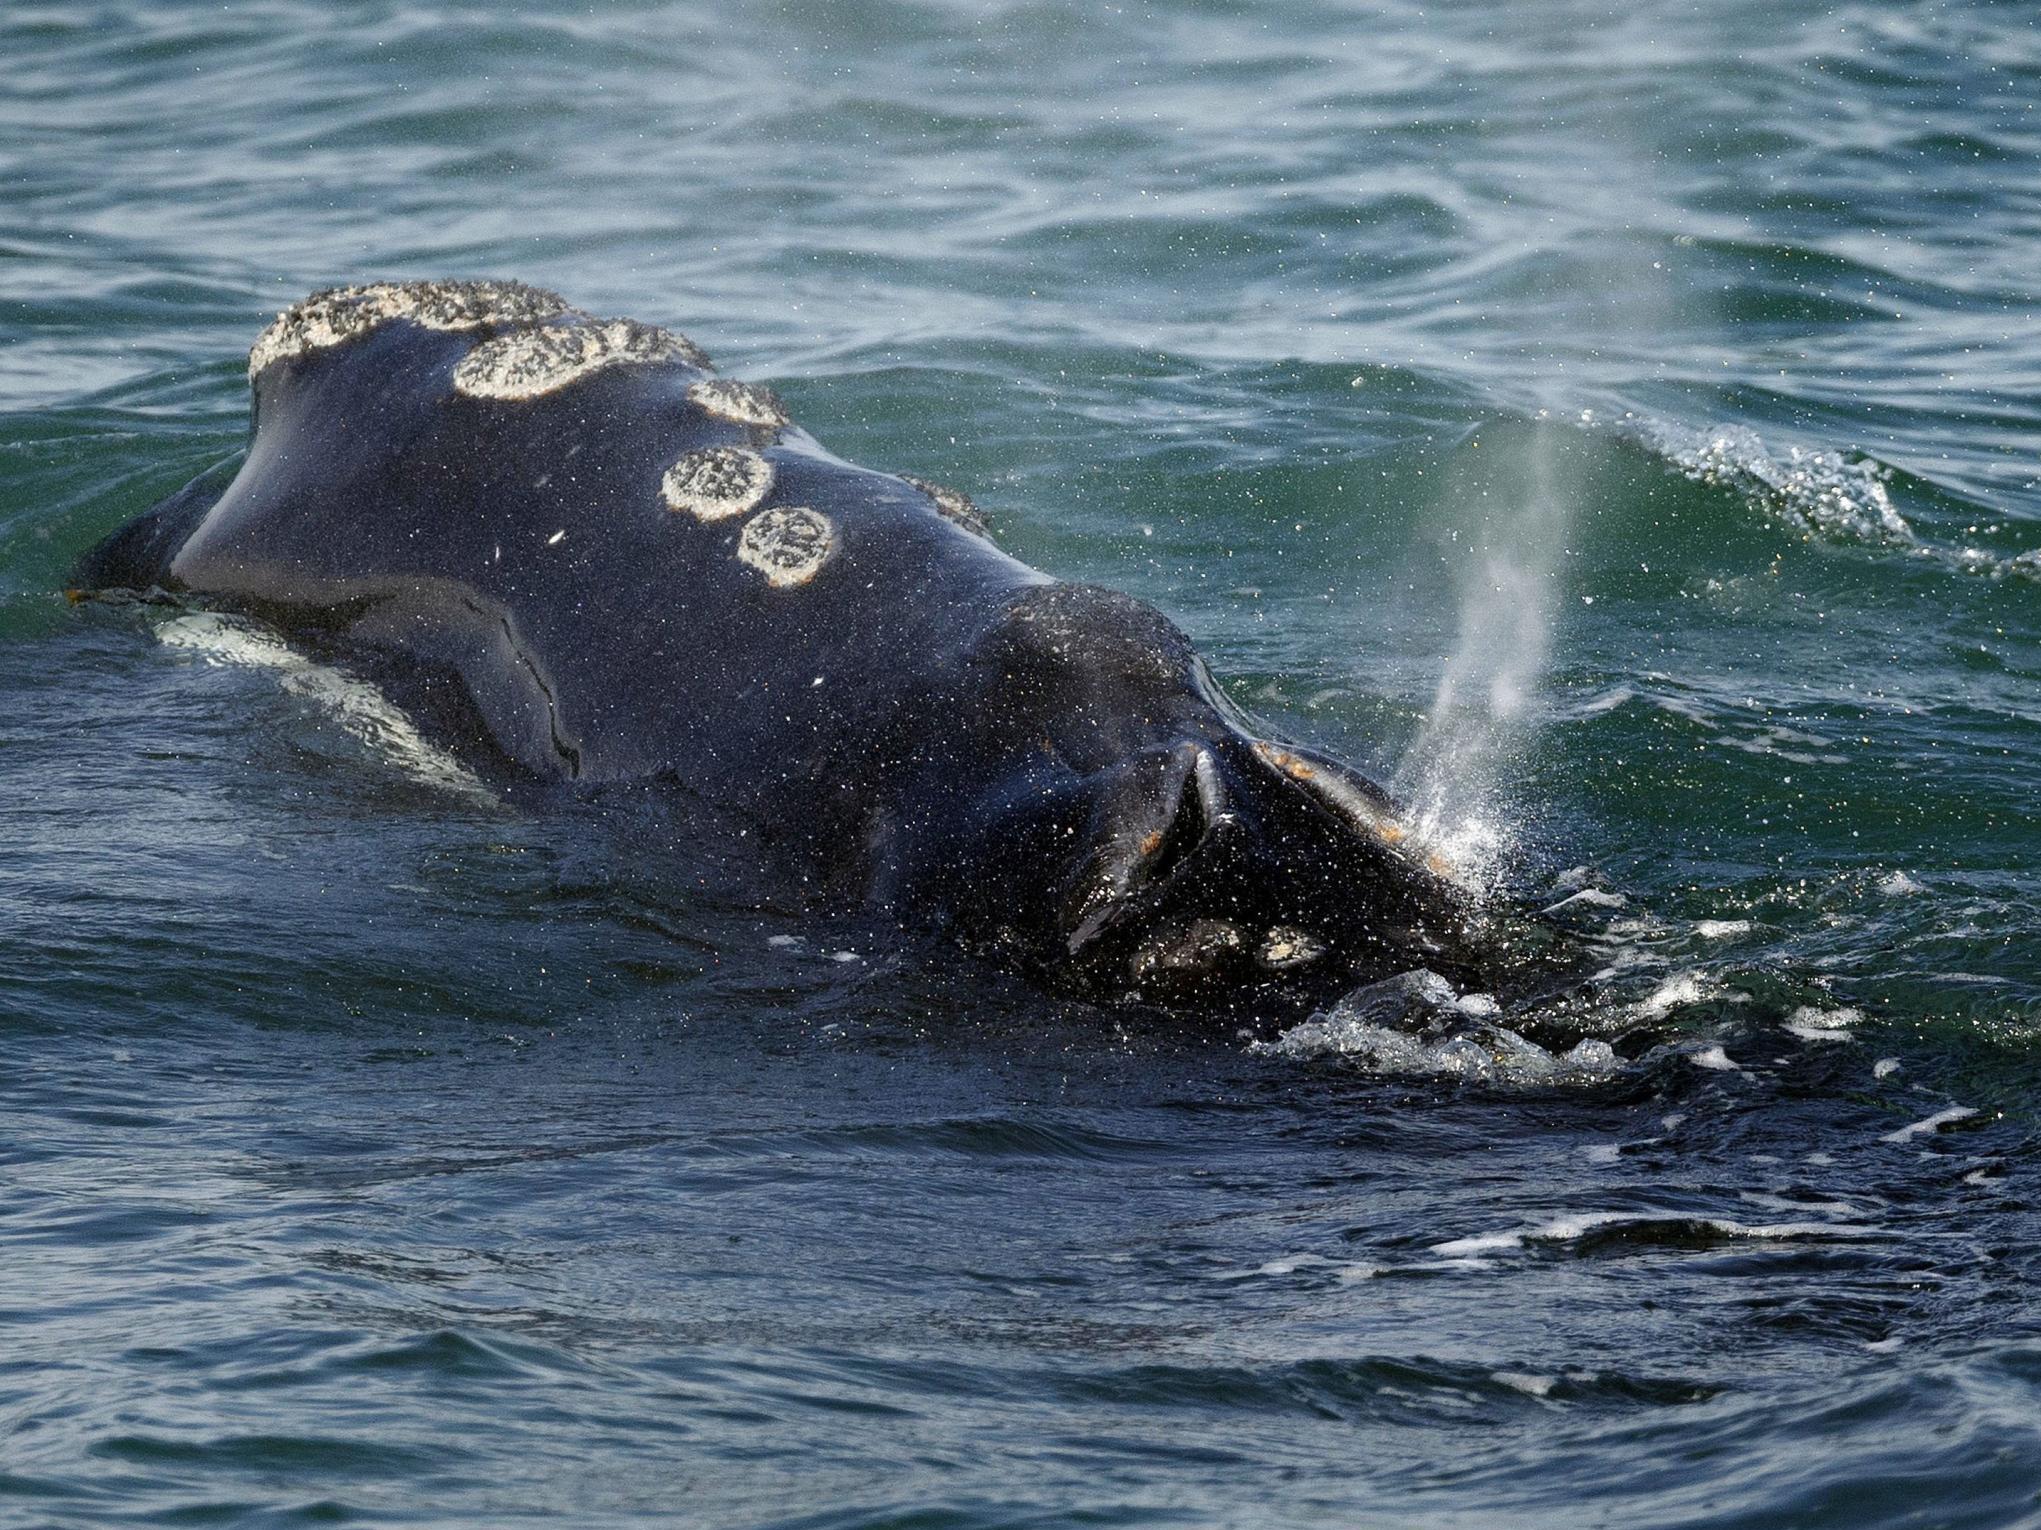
[(382, 1149)]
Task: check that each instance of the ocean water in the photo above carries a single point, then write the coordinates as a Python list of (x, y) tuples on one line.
[(1620, 425)]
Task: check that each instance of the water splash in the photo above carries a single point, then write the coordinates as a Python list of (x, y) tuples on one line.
[(1819, 493), (363, 711)]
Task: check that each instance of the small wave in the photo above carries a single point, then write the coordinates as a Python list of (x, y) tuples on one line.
[(1932, 1124), (1826, 495), (1817, 492), (365, 712)]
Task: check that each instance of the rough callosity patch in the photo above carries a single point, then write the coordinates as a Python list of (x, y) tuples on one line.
[(531, 363), (718, 482), (341, 314), (951, 504), (787, 546), (742, 402), (1286, 947)]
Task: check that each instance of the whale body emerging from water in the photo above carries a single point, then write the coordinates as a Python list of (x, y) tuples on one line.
[(574, 547)]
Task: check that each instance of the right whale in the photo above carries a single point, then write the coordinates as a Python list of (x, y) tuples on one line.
[(575, 548)]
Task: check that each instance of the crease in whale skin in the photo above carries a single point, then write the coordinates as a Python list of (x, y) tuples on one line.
[(475, 487)]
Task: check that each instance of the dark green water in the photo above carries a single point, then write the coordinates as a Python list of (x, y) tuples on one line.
[(381, 1151)]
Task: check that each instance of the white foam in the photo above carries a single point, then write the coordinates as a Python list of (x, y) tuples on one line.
[(1900, 885), (1288, 1264), (1932, 1124), (1367, 1029), (1721, 929), (361, 709), (1526, 1382), (1589, 897), (1885, 1067), (1818, 492), (1569, 1229), (1675, 992), (1714, 1059), (1811, 1024)]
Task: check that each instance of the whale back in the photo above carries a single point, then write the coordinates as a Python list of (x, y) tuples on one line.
[(630, 566)]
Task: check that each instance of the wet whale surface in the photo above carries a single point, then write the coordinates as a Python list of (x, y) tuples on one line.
[(566, 541), (385, 1148)]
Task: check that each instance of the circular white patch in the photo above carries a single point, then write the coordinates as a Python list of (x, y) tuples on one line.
[(346, 313), (534, 362), (718, 482), (745, 403), (787, 546)]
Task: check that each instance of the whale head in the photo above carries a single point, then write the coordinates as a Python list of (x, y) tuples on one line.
[(1106, 819)]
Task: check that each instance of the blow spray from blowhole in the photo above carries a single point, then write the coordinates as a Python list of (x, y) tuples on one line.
[(1455, 775)]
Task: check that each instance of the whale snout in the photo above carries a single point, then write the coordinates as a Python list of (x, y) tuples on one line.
[(1210, 867), (1155, 847), (1236, 864)]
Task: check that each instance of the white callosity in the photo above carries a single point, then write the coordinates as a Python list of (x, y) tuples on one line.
[(740, 402), (951, 504), (717, 483), (530, 363), (342, 314), (787, 545), (1286, 947)]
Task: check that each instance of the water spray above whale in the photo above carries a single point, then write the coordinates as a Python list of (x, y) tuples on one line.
[(582, 553)]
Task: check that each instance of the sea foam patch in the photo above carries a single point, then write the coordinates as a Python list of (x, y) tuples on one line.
[(1418, 1024), (1669, 1228)]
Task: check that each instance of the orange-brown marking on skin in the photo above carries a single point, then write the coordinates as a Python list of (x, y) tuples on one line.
[(1439, 864), (1285, 761), (1392, 833), (1151, 844)]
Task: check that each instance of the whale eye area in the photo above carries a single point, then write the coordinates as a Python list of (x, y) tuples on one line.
[(531, 363), (717, 482), (741, 403), (787, 545), (341, 314)]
